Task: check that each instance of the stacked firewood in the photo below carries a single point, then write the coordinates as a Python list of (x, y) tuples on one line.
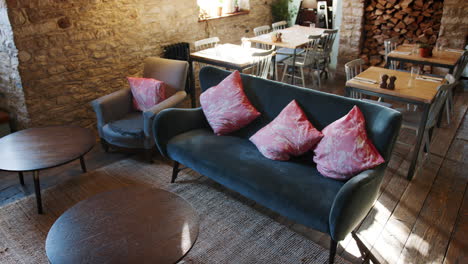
[(408, 21)]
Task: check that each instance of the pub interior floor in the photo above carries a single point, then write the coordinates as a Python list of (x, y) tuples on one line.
[(424, 220)]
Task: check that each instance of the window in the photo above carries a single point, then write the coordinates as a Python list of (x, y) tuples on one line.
[(221, 8)]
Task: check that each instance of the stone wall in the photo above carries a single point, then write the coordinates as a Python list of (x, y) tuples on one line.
[(454, 23), (73, 51), (11, 90), (350, 32)]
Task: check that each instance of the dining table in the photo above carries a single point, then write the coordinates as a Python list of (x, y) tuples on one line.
[(417, 90), (409, 53), (229, 56), (294, 38)]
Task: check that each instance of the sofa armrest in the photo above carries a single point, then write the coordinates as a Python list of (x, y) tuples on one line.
[(353, 202), (172, 122), (112, 107), (148, 115)]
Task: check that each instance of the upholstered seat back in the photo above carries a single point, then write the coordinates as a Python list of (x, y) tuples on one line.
[(172, 72), (270, 97)]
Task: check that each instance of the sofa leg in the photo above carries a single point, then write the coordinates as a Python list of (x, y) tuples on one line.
[(333, 246), (149, 155), (175, 171), (105, 145)]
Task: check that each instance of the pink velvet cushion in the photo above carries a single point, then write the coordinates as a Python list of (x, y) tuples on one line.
[(345, 149), (226, 106), (290, 133), (146, 92)]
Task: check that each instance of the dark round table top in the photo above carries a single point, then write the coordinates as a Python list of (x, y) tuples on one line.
[(42, 148), (129, 225)]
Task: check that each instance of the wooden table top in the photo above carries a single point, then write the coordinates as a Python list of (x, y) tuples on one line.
[(443, 57), (131, 225), (41, 148), (293, 37), (228, 54), (417, 90)]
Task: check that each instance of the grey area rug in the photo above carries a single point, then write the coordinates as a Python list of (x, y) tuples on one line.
[(233, 229)]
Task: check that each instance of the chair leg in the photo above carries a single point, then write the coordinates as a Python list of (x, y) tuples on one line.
[(175, 171), (333, 246), (318, 80), (105, 145), (284, 72), (302, 76), (447, 110)]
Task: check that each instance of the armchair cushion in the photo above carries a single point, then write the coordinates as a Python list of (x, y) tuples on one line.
[(129, 126), (146, 92)]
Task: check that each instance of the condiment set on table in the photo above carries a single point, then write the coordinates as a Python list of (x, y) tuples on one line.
[(391, 82)]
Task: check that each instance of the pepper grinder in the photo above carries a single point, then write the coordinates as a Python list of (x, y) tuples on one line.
[(383, 82), (391, 85)]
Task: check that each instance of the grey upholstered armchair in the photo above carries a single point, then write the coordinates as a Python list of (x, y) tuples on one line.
[(121, 126)]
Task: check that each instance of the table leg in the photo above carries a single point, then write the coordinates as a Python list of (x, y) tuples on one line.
[(294, 68), (417, 147), (37, 188), (273, 60), (83, 165), (348, 91), (21, 178)]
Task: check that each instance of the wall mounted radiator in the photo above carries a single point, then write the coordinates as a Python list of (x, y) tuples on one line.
[(181, 51)]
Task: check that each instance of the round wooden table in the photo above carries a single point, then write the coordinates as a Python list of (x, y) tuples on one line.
[(130, 225), (37, 149)]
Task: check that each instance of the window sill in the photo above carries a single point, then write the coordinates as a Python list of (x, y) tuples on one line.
[(243, 12)]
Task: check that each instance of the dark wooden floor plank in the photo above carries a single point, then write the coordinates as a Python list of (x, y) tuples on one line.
[(457, 252), (439, 144), (432, 231)]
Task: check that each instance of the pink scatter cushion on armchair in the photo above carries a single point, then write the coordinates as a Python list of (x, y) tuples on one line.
[(226, 106), (147, 92), (290, 133), (345, 149)]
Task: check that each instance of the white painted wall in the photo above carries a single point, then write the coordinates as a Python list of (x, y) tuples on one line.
[(337, 15), (294, 5)]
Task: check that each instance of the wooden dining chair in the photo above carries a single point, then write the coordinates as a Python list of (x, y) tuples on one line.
[(411, 119), (279, 25), (261, 31), (328, 37), (262, 63), (457, 73), (352, 69), (205, 44), (390, 45), (280, 57), (309, 59)]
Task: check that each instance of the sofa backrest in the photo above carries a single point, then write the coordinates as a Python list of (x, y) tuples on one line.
[(270, 97)]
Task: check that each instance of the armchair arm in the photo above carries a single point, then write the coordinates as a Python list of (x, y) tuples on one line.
[(171, 122), (354, 201), (148, 115), (112, 107)]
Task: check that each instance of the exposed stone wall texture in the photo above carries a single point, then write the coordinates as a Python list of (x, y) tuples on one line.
[(454, 23), (11, 90), (350, 32), (73, 51)]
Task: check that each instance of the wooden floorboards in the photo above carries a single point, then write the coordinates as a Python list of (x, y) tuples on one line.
[(420, 221)]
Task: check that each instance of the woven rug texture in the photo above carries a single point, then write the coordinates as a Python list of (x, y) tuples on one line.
[(233, 229)]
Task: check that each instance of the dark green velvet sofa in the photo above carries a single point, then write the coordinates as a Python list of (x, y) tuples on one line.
[(292, 188)]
